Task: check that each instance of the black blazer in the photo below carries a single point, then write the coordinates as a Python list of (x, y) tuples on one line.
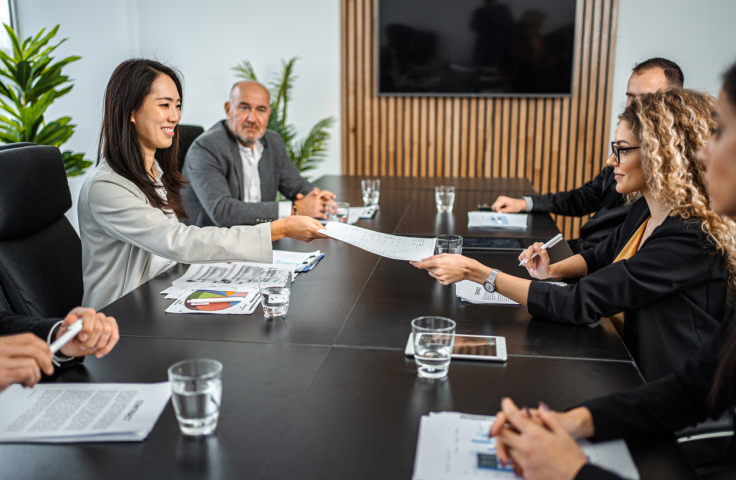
[(599, 196), (11, 323), (672, 291), (667, 405)]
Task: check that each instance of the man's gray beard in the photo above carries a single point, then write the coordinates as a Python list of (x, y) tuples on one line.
[(246, 143)]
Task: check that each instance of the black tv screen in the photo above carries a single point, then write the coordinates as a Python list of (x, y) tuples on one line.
[(476, 47)]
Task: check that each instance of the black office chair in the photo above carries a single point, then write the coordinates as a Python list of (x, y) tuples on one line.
[(187, 135), (40, 253)]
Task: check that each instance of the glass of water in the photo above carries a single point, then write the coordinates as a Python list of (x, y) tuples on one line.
[(433, 340), (331, 211), (449, 244), (274, 285), (371, 191), (196, 392), (343, 210), (444, 197)]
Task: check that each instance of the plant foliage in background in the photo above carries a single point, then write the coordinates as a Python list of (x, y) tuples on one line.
[(308, 153), (30, 81)]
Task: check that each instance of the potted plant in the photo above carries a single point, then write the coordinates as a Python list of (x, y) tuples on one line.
[(30, 81)]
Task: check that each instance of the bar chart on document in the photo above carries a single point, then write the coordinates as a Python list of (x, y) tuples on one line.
[(389, 246)]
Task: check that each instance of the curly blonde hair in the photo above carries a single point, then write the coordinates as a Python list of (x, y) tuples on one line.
[(671, 126)]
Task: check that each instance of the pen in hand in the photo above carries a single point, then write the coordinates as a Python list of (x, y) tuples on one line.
[(547, 245)]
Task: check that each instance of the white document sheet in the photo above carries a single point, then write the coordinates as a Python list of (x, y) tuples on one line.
[(184, 305), (389, 246), (456, 446), (81, 412), (502, 221), (475, 293), (356, 213)]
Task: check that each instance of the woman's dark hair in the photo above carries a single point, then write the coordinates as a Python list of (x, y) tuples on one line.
[(126, 91), (723, 392)]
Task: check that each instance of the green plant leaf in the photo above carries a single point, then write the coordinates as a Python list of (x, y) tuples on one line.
[(74, 163), (14, 40), (245, 71)]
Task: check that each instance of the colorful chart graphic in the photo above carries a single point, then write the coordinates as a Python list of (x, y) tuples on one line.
[(213, 307)]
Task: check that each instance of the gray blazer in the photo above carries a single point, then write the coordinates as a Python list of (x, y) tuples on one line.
[(214, 169), (120, 230)]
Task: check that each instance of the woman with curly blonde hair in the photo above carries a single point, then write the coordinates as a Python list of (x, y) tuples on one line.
[(664, 272)]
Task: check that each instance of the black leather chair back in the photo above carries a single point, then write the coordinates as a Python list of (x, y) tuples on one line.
[(187, 135), (40, 253)]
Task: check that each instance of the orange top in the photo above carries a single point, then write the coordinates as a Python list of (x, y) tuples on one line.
[(631, 247)]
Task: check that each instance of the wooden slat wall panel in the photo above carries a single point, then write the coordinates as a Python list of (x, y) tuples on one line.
[(558, 143)]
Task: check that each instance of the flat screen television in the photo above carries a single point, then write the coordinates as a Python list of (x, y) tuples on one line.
[(476, 47)]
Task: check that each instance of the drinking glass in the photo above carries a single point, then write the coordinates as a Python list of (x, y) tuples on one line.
[(433, 340), (274, 285), (449, 244), (331, 211), (371, 191), (444, 197), (343, 210), (196, 392)]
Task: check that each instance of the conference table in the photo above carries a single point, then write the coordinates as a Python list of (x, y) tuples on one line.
[(327, 392)]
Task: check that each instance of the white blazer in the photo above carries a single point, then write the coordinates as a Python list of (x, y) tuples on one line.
[(120, 231)]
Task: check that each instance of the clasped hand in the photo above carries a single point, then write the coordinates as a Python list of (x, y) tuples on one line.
[(23, 357), (313, 204), (540, 442)]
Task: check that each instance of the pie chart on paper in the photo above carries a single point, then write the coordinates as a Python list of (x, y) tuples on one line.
[(213, 307)]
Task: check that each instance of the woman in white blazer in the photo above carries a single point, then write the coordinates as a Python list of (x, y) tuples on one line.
[(130, 205)]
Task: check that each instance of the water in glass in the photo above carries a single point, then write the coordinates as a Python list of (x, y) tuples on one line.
[(196, 392), (275, 301), (449, 244), (433, 340), (197, 406), (444, 198), (343, 210)]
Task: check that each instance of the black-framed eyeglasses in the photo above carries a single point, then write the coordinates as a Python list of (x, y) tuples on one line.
[(617, 151)]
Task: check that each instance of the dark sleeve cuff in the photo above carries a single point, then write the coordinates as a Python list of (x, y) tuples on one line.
[(589, 260), (540, 203), (591, 472), (16, 324), (607, 424), (536, 301)]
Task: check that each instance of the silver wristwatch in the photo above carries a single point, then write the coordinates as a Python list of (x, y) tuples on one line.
[(490, 284)]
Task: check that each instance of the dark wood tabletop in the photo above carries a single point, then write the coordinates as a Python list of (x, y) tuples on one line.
[(327, 392)]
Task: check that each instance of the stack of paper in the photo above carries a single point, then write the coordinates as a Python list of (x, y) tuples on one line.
[(502, 221), (81, 412), (475, 293), (456, 446), (236, 280), (389, 246)]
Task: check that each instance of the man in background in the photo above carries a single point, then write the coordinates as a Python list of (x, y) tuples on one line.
[(599, 195), (236, 167)]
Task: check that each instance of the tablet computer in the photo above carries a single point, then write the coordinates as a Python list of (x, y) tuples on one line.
[(472, 347), (491, 243)]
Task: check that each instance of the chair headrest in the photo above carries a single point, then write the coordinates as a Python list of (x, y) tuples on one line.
[(33, 189)]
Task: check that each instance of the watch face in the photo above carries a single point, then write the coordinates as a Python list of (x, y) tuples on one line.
[(489, 287)]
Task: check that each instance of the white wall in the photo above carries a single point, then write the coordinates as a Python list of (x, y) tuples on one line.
[(696, 35), (103, 32), (203, 40)]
